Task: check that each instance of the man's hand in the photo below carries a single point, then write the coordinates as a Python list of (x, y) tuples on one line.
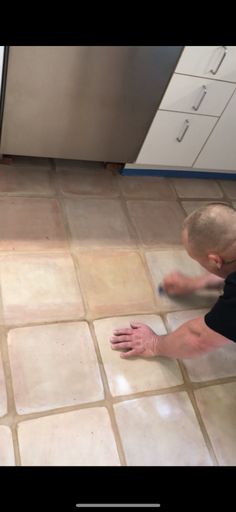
[(139, 339), (177, 283)]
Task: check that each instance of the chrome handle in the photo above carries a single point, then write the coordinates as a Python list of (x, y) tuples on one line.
[(221, 60), (196, 107), (186, 127)]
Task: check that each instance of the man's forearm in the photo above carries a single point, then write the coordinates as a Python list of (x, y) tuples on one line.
[(190, 340), (207, 281)]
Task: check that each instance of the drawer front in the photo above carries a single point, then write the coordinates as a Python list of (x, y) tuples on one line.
[(216, 62), (161, 146), (219, 153), (197, 95)]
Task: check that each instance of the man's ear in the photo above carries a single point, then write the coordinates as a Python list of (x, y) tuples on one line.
[(215, 260)]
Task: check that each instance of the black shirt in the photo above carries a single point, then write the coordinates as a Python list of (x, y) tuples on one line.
[(222, 317)]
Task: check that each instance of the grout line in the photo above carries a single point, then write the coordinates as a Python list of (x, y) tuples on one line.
[(203, 427)]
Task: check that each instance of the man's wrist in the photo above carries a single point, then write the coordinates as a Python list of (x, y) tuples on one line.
[(158, 348)]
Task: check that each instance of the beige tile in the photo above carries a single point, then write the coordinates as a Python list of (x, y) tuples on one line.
[(157, 222), (78, 438), (161, 263), (161, 431), (147, 187), (31, 224), (115, 282), (7, 457), (39, 288), (77, 177), (3, 393), (25, 179), (137, 374), (229, 187), (190, 206), (53, 366), (97, 222), (190, 187), (217, 364), (217, 407)]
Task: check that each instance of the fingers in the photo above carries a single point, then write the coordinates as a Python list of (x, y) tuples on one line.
[(118, 339), (126, 355), (122, 330), (119, 346)]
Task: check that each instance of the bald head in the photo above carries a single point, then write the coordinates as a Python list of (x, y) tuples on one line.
[(211, 228)]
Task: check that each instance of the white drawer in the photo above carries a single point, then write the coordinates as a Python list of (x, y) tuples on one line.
[(197, 95), (161, 146), (219, 153), (217, 62)]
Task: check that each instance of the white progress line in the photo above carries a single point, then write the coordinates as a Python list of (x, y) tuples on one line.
[(118, 505)]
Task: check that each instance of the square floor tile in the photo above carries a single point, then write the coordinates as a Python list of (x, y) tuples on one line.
[(161, 431), (137, 374), (39, 288), (76, 177), (97, 222), (190, 206), (25, 179), (214, 365), (31, 224), (53, 366), (229, 187), (217, 407), (115, 282), (3, 393), (78, 438), (147, 187), (161, 263), (190, 187), (157, 222), (7, 457)]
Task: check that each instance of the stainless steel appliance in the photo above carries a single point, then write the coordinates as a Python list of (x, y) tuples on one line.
[(83, 102)]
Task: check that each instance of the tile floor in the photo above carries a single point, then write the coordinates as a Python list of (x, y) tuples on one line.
[(82, 251)]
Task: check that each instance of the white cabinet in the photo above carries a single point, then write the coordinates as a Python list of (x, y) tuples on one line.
[(175, 138), (216, 62), (219, 152), (197, 95)]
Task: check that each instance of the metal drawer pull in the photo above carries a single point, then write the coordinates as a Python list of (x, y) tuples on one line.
[(221, 60), (196, 107), (186, 127)]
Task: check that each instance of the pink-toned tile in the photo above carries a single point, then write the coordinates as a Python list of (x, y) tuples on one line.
[(31, 224), (115, 282), (139, 374), (25, 178), (214, 365), (147, 187), (97, 222), (190, 187), (78, 438), (77, 177), (217, 407), (53, 366), (39, 288), (161, 431), (158, 223), (7, 457), (229, 187), (3, 393)]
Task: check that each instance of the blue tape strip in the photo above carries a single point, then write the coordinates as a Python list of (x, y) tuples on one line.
[(178, 174)]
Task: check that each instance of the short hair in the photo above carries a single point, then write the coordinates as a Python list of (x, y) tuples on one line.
[(211, 228)]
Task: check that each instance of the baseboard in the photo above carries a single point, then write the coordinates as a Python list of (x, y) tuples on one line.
[(178, 174)]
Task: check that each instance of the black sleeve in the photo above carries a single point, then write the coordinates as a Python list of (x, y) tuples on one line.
[(222, 317)]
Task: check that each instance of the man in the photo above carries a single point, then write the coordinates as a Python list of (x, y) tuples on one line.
[(209, 237)]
